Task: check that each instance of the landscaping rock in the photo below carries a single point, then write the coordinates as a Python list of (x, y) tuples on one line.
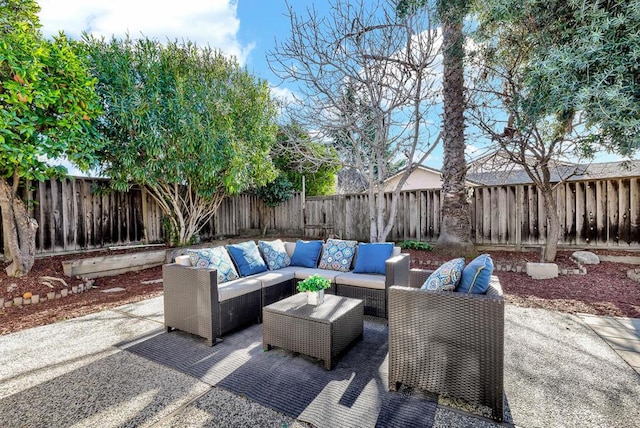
[(542, 270), (586, 257), (634, 274)]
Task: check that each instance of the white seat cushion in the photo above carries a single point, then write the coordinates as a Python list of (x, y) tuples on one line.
[(364, 280), (304, 273), (238, 287), (274, 277)]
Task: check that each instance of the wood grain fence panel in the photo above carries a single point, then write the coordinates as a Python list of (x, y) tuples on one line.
[(503, 215), (510, 220), (613, 214), (623, 212), (601, 213), (634, 211), (581, 220), (486, 215), (570, 214), (591, 212), (561, 200)]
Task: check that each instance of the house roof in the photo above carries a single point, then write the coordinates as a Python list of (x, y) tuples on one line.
[(570, 172), (429, 169)]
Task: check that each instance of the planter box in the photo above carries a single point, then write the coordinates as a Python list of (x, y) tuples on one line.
[(96, 267)]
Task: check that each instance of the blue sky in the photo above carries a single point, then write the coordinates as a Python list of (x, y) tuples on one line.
[(244, 28)]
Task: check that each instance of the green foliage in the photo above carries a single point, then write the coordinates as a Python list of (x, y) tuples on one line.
[(278, 191), (178, 113), (415, 245), (316, 162), (314, 283), (578, 58), (47, 98), (185, 121)]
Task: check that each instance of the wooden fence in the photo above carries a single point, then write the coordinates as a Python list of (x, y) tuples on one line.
[(80, 213)]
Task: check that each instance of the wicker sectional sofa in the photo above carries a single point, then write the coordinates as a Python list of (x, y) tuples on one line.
[(195, 301)]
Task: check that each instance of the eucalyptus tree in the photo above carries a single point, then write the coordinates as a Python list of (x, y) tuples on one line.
[(556, 80), (47, 107), (365, 80), (186, 122)]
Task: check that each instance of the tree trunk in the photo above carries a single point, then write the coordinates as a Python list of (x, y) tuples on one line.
[(20, 230), (455, 230), (553, 232)]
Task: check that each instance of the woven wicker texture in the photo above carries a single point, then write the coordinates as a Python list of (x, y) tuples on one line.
[(375, 301), (191, 303), (448, 343), (321, 331)]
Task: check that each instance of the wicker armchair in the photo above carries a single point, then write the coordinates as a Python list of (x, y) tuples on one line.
[(448, 343), (192, 304)]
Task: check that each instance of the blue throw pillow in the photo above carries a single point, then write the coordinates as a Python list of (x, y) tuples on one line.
[(338, 255), (275, 254), (446, 277), (477, 275), (306, 253), (372, 258), (214, 258), (247, 258)]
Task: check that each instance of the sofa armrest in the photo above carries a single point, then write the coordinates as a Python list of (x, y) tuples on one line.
[(191, 300), (397, 270)]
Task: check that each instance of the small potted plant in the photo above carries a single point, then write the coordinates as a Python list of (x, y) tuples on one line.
[(314, 286)]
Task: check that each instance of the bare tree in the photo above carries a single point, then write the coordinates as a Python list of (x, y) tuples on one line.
[(367, 81)]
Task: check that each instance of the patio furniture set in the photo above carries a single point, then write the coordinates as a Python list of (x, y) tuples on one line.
[(440, 340)]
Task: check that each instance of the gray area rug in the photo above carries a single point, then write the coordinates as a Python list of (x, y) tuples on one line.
[(354, 393)]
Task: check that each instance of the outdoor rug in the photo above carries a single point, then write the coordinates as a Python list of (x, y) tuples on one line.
[(353, 394)]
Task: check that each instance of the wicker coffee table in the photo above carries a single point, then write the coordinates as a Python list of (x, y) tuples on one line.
[(321, 331)]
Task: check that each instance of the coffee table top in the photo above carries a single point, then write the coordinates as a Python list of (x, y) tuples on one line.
[(331, 309)]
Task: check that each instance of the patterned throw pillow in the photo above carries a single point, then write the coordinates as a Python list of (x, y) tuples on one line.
[(214, 258), (476, 275), (275, 254), (337, 255), (446, 277)]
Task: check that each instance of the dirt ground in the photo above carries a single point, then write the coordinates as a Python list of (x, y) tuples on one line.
[(604, 290)]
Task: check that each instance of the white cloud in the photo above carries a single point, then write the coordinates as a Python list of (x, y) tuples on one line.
[(212, 22), (283, 94)]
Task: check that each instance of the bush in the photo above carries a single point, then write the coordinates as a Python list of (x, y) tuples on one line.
[(415, 245)]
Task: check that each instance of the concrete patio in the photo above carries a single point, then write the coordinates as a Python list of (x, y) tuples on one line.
[(558, 372)]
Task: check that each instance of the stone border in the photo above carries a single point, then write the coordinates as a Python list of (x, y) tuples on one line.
[(52, 295), (580, 270)]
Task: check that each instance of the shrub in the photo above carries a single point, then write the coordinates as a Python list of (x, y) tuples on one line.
[(415, 245)]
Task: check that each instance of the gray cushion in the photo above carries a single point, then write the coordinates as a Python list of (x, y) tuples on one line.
[(238, 287), (304, 273), (364, 280), (274, 277)]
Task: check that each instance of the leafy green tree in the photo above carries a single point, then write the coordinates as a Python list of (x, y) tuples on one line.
[(273, 194), (298, 157), (47, 107), (557, 79), (186, 122)]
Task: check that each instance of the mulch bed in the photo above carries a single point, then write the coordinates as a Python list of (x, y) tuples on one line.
[(605, 290)]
